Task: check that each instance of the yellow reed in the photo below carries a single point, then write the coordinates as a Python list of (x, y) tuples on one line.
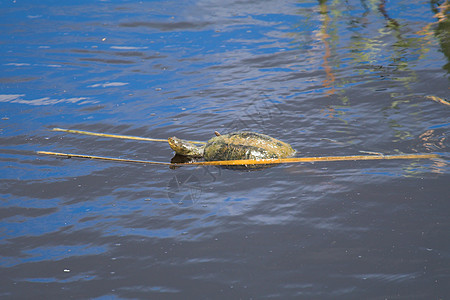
[(252, 161), (116, 136)]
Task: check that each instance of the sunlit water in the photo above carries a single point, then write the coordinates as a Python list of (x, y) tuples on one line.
[(330, 78)]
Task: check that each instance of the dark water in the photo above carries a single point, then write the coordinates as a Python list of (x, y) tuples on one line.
[(329, 77)]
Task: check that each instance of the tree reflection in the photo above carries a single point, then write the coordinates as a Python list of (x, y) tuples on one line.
[(323, 35), (442, 30), (359, 43), (382, 10)]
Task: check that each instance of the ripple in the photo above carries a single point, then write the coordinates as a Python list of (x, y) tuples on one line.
[(19, 98)]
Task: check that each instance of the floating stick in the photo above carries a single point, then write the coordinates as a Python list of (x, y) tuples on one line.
[(69, 155), (313, 159), (252, 161), (438, 99), (117, 136)]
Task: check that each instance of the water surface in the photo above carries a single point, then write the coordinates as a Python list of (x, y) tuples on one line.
[(328, 77)]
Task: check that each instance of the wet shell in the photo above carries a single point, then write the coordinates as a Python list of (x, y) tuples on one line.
[(246, 145)]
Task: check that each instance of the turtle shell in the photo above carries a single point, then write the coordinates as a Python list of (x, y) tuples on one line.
[(246, 145)]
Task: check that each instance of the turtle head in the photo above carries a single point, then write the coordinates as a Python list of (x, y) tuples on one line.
[(185, 148)]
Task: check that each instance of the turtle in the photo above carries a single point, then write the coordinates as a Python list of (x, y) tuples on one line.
[(234, 146)]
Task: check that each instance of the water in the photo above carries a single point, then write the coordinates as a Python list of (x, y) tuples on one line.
[(330, 78)]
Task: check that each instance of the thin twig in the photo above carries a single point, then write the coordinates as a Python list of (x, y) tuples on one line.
[(116, 136), (69, 155)]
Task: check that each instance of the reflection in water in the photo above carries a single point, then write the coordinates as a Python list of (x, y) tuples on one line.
[(181, 159), (382, 9), (442, 31), (184, 189), (431, 141), (392, 52), (323, 35), (442, 28)]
